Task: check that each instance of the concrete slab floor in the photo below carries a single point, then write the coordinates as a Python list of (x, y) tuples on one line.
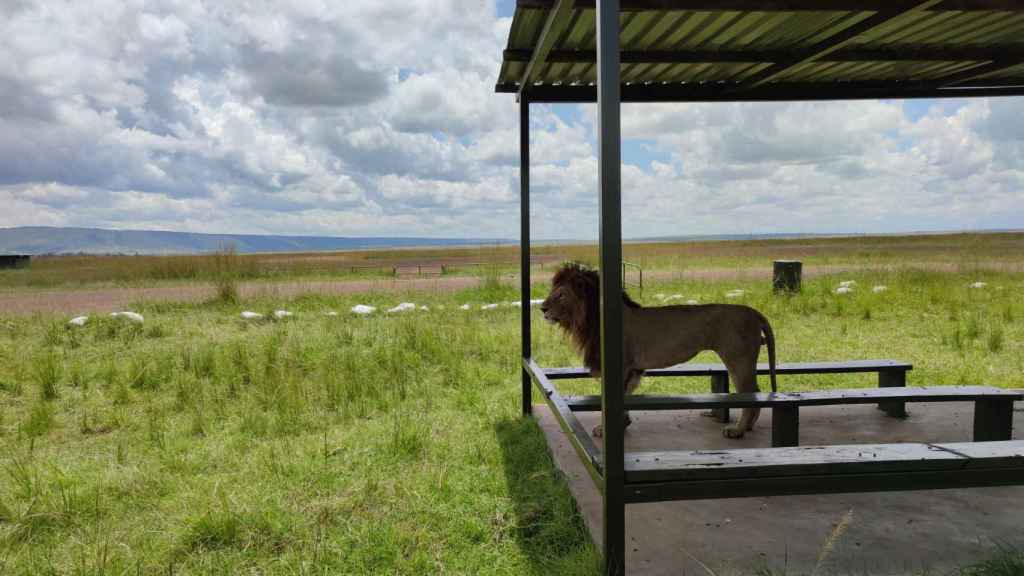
[(926, 532)]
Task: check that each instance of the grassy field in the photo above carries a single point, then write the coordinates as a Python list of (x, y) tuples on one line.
[(199, 443), (958, 251)]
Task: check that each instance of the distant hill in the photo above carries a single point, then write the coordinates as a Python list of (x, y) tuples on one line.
[(50, 240)]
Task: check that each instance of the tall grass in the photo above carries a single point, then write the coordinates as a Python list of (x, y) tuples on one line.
[(995, 338), (389, 444), (490, 268), (227, 269), (1007, 561), (49, 370)]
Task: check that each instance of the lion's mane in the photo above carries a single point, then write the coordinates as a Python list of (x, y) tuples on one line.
[(584, 325)]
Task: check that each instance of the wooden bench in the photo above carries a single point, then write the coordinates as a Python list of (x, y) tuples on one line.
[(891, 373), (993, 407), (690, 475)]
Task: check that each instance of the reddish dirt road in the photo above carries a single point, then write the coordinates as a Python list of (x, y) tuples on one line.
[(110, 299), (73, 301)]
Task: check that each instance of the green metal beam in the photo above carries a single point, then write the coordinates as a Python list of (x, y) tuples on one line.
[(557, 20), (907, 53), (784, 5)]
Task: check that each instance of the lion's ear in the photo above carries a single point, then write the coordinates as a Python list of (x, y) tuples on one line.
[(581, 285)]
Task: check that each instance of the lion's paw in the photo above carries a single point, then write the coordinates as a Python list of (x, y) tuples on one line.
[(733, 432)]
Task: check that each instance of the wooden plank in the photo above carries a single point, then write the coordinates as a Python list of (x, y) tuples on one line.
[(863, 468), (893, 379), (720, 385), (815, 398), (993, 419), (681, 370), (778, 462), (786, 426), (826, 484), (578, 436), (1008, 453), (693, 369)]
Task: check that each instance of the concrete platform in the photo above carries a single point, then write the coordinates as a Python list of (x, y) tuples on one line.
[(878, 533)]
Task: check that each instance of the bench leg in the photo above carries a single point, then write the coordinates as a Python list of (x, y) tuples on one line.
[(720, 385), (893, 379), (785, 426), (993, 419)]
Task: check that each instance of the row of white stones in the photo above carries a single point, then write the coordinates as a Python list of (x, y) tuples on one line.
[(845, 287), (133, 317), (363, 309)]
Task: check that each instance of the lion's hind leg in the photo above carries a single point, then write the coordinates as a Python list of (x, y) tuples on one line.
[(744, 375)]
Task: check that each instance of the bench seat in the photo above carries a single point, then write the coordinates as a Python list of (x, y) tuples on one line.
[(675, 475), (813, 398), (689, 369), (993, 407), (891, 373)]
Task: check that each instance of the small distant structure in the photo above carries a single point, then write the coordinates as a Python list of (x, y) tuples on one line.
[(14, 261), (419, 270), (786, 276)]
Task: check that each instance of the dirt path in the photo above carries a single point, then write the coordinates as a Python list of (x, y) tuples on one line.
[(73, 301)]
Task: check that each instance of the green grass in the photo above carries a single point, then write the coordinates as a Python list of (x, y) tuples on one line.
[(202, 444), (1006, 561), (964, 253), (356, 445)]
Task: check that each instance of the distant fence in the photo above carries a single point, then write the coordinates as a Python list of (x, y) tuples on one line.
[(440, 267), (638, 274), (14, 260), (419, 270)]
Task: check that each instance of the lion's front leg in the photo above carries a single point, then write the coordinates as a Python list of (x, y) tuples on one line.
[(632, 382)]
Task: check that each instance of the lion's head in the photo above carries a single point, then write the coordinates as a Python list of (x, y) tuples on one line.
[(574, 304)]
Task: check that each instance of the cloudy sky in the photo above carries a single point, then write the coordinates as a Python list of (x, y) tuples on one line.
[(379, 118)]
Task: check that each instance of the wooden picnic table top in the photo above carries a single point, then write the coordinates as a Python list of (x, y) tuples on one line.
[(753, 463), (690, 369), (813, 398)]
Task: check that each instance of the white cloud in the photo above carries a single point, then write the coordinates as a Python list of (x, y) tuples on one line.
[(379, 118)]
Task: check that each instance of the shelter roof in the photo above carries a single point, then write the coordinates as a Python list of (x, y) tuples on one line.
[(707, 50)]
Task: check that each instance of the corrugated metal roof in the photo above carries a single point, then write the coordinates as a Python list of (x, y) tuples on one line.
[(773, 49)]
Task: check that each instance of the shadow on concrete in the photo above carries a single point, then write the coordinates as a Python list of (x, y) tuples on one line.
[(930, 532), (548, 526)]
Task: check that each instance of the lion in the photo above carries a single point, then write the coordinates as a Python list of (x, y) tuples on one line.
[(658, 337)]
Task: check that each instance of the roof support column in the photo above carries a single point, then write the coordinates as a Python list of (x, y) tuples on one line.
[(524, 244), (612, 376)]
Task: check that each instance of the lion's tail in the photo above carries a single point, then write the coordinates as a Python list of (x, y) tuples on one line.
[(769, 341)]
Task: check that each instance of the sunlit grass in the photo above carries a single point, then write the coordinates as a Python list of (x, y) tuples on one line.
[(391, 444)]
